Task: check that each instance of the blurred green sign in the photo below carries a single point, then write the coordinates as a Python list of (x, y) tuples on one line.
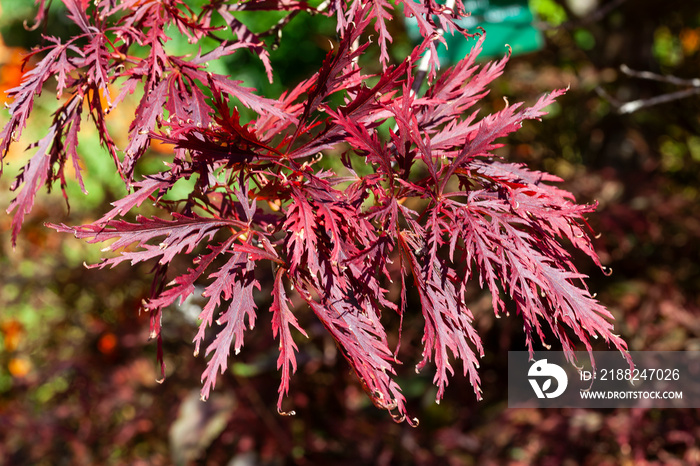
[(505, 22)]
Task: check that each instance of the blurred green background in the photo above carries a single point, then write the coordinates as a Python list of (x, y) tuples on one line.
[(77, 373)]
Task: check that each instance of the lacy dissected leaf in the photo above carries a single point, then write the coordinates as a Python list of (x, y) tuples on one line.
[(246, 96), (97, 59), (53, 150), (381, 12), (148, 112), (184, 285), (362, 339), (234, 282), (448, 321), (282, 321), (142, 191), (180, 235), (268, 124), (76, 12), (365, 142), (481, 141), (365, 106), (534, 269), (301, 238), (33, 175), (71, 128), (554, 208), (459, 88), (23, 96), (245, 35), (186, 102), (336, 68), (323, 236)]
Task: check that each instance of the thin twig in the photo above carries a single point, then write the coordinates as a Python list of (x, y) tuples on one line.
[(635, 105), (605, 95), (658, 77)]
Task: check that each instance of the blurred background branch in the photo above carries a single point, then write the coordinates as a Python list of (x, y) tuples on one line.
[(634, 105)]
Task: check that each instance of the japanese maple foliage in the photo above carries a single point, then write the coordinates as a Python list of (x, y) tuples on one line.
[(436, 209)]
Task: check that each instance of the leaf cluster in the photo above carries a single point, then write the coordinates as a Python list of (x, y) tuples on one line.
[(432, 207)]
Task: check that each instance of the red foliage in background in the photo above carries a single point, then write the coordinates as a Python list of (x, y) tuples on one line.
[(434, 208)]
